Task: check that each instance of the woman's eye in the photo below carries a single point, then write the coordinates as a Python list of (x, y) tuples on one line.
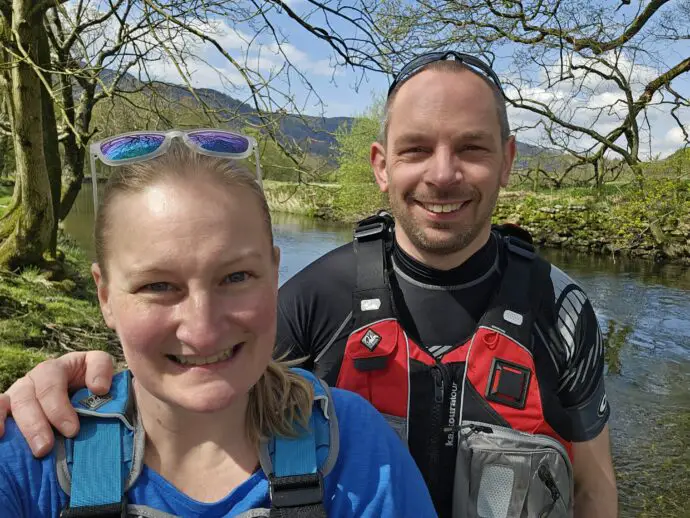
[(236, 277), (157, 287)]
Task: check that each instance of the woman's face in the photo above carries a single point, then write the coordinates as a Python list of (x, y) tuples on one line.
[(191, 291)]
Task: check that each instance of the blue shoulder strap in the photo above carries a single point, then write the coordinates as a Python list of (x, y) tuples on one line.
[(296, 481), (100, 451)]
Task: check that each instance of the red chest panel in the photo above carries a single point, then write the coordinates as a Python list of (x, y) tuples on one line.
[(376, 365)]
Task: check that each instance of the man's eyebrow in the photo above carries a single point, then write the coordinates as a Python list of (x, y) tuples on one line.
[(413, 136), (475, 135)]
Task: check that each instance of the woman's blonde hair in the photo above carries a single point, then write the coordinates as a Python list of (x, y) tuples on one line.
[(281, 398)]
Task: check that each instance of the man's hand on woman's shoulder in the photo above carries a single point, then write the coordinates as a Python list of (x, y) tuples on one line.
[(41, 398)]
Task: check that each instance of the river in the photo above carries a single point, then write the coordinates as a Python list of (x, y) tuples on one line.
[(648, 378)]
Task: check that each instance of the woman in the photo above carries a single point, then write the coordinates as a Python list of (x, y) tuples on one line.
[(187, 275)]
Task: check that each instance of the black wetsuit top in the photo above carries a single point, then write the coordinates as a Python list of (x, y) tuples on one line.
[(439, 310)]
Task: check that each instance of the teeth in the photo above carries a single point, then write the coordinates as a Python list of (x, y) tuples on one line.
[(446, 207), (205, 360)]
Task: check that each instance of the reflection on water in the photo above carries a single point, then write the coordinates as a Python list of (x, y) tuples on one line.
[(648, 390)]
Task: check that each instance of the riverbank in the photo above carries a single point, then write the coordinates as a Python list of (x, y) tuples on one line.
[(652, 224)]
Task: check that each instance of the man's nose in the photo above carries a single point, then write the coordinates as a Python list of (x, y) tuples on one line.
[(444, 170)]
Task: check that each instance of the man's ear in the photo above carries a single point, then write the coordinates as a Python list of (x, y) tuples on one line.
[(377, 158), (509, 152), (103, 295)]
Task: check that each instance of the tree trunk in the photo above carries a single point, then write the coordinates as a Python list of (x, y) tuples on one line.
[(25, 228), (74, 175), (75, 155), (598, 175), (50, 141)]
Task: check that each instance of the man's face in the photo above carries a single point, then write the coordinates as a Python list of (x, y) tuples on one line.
[(443, 165)]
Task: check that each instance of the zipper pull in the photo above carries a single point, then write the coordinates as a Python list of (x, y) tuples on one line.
[(547, 478), (475, 428)]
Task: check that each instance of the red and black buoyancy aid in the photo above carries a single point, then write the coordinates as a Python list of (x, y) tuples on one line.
[(492, 378)]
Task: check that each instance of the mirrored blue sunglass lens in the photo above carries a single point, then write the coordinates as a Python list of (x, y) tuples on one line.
[(131, 146), (220, 141)]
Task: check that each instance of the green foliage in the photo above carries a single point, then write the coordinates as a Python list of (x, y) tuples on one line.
[(354, 146), (314, 200), (654, 214), (359, 194), (651, 221), (40, 317), (15, 362)]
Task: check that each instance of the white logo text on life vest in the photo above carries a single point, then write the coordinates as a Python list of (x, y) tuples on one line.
[(93, 401), (370, 304), (450, 438), (370, 339)]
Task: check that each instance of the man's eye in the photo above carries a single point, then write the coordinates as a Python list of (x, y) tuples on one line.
[(157, 287), (236, 277), (415, 150), (473, 147)]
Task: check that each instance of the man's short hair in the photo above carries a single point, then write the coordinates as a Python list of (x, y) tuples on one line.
[(449, 66)]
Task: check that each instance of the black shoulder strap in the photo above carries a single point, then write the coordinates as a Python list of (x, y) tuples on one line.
[(371, 299), (512, 310)]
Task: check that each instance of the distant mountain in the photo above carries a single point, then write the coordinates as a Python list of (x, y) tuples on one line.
[(316, 134)]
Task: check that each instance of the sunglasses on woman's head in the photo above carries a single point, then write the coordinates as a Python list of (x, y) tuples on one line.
[(475, 64), (139, 146)]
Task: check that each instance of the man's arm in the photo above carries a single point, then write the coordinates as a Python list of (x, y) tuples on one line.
[(40, 399), (595, 483), (583, 395)]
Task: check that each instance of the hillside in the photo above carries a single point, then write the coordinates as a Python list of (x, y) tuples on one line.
[(314, 134)]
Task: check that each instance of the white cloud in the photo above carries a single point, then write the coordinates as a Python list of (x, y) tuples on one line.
[(674, 136)]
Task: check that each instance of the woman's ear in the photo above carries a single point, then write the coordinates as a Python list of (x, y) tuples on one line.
[(276, 262), (103, 295)]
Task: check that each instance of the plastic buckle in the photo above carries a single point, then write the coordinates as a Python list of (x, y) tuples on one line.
[(367, 230), (118, 510), (296, 490), (520, 247)]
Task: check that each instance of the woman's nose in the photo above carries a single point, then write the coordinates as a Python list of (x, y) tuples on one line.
[(200, 322)]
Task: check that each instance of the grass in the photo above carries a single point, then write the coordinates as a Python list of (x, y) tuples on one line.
[(41, 318)]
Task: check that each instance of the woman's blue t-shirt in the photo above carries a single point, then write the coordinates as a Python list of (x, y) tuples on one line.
[(374, 476)]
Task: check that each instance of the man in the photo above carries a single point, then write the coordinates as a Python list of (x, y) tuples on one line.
[(459, 335)]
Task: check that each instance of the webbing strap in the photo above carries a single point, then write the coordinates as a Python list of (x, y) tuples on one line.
[(296, 486), (296, 455), (97, 474), (371, 298)]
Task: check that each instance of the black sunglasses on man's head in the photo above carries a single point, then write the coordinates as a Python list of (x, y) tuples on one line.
[(476, 64)]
